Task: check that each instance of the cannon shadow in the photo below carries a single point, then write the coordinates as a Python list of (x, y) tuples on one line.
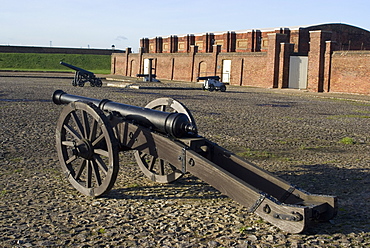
[(187, 187)]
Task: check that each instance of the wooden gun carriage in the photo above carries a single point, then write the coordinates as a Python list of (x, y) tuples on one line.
[(82, 76), (90, 134)]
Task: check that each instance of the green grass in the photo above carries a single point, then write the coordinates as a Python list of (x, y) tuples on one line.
[(3, 192), (134, 185), (50, 62), (347, 141)]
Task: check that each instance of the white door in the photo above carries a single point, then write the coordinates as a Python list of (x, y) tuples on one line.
[(146, 66), (298, 72), (226, 68)]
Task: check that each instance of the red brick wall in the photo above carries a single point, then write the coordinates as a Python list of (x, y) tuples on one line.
[(255, 71), (248, 69), (173, 66), (163, 66), (350, 72), (327, 71), (118, 64), (208, 61), (183, 68)]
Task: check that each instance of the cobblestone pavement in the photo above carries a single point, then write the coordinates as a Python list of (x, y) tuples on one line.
[(319, 142)]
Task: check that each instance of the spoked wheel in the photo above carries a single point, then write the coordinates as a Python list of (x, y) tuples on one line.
[(159, 170), (98, 82), (87, 148)]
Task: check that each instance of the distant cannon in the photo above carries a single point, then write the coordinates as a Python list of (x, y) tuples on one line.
[(82, 76), (148, 77), (212, 83)]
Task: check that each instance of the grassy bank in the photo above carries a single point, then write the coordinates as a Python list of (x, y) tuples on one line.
[(50, 62)]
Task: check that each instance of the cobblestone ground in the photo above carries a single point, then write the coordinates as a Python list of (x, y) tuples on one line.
[(319, 142)]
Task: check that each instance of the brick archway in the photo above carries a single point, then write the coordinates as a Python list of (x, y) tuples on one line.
[(202, 69)]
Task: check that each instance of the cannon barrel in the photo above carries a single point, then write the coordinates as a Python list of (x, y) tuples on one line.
[(76, 68), (175, 124), (209, 77)]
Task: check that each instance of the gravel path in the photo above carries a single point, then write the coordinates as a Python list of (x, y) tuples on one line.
[(295, 135)]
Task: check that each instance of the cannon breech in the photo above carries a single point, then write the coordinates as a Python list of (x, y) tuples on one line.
[(90, 133)]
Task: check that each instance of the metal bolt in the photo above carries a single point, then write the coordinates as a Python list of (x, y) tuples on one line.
[(191, 162), (267, 209)]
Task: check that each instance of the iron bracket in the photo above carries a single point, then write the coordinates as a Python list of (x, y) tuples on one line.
[(182, 158), (257, 203)]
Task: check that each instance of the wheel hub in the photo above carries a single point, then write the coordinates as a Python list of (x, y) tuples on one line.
[(84, 149)]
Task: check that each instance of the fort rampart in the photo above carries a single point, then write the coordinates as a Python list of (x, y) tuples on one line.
[(62, 50)]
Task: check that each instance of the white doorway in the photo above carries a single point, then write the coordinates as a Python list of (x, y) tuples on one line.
[(226, 68), (146, 66), (298, 72)]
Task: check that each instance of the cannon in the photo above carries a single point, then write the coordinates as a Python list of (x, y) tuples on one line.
[(148, 77), (90, 133), (82, 76), (212, 83)]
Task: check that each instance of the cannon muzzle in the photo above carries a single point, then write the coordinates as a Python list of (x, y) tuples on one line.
[(176, 125)]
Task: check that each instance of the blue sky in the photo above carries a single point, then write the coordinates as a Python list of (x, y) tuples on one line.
[(100, 24)]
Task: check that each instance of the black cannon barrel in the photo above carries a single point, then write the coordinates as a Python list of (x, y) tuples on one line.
[(76, 68), (175, 124), (209, 77)]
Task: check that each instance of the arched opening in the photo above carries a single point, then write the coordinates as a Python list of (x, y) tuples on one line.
[(202, 72), (132, 66)]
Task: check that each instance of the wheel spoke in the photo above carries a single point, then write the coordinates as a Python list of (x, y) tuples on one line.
[(142, 147), (78, 123), (93, 130), (132, 141), (89, 176), (96, 172), (101, 164), (68, 143), (72, 131), (85, 124), (71, 159), (98, 140), (101, 152), (80, 169), (151, 163)]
